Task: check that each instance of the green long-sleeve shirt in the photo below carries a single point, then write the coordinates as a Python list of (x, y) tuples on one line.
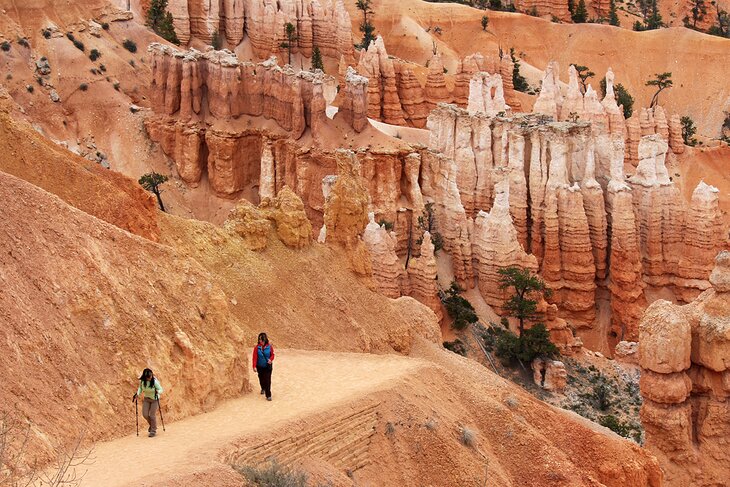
[(151, 391)]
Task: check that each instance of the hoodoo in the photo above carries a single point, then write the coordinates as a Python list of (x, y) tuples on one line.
[(438, 233)]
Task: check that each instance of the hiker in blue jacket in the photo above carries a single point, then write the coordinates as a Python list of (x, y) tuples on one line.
[(263, 363)]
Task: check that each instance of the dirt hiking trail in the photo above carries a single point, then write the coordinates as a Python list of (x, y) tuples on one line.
[(303, 383)]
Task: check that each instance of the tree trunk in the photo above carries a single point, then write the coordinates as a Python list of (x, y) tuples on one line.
[(159, 199)]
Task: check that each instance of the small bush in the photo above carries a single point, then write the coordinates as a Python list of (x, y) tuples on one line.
[(94, 54), (614, 424), (131, 63), (534, 342), (41, 81), (24, 42), (273, 475), (468, 437), (102, 68), (70, 36), (105, 25), (459, 309), (79, 45), (83, 87), (457, 346), (116, 85), (130, 45), (688, 131), (46, 33), (5, 46), (9, 76), (30, 88)]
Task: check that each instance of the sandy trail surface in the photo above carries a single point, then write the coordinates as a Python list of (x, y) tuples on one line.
[(303, 383)]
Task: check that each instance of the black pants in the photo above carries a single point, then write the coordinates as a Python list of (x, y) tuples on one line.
[(265, 378)]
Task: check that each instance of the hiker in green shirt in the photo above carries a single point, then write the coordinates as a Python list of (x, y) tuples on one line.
[(150, 389)]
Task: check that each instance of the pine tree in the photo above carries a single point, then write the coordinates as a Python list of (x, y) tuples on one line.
[(291, 35), (699, 10), (581, 14), (161, 21), (152, 182), (518, 81), (317, 62), (367, 28), (662, 82), (613, 15)]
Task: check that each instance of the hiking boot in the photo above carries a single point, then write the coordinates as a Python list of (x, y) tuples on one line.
[(262, 391), (152, 433), (268, 398)]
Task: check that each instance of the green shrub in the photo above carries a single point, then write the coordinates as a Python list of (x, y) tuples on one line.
[(130, 45), (457, 346), (83, 87), (5, 46), (534, 342), (273, 475), (216, 41), (23, 42), (622, 95), (161, 21), (46, 33), (614, 424), (94, 54), (105, 25), (519, 81), (688, 131), (30, 88), (79, 45), (458, 308)]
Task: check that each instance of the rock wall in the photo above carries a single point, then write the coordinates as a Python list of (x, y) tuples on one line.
[(650, 121), (684, 353), (324, 24), (551, 8), (198, 99), (395, 95)]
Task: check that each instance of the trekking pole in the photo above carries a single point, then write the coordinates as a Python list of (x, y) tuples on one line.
[(136, 413), (160, 408)]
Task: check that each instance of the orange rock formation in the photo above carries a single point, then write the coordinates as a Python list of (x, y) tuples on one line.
[(684, 353), (323, 24)]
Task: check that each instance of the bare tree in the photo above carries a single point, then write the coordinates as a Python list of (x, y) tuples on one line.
[(18, 470)]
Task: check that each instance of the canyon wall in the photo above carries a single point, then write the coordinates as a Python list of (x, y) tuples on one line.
[(200, 103), (324, 24), (553, 181), (684, 354)]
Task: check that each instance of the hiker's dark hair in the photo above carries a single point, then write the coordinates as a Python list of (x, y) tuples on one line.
[(152, 377), (263, 338)]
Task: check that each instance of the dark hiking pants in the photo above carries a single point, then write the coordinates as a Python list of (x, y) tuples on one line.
[(265, 378)]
